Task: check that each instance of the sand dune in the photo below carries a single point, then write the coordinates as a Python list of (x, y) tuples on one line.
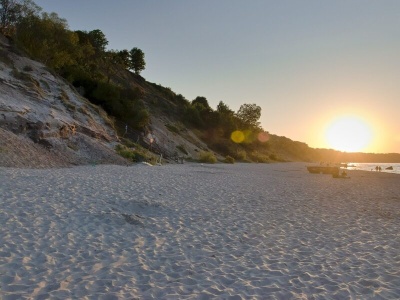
[(198, 232)]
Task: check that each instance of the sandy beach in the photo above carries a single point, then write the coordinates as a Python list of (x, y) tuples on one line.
[(192, 231)]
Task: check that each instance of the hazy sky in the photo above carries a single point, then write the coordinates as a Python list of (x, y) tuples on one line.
[(304, 62)]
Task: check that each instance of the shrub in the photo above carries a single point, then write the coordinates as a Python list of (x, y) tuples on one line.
[(273, 156), (135, 154), (240, 155), (207, 157), (125, 152), (259, 157), (229, 160)]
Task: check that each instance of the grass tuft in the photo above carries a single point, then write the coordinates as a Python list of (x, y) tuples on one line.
[(207, 157)]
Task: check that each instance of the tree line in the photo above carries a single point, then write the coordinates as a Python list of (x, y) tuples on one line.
[(83, 59), (220, 127), (79, 56)]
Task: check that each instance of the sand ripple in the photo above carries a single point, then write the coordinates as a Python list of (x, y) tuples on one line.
[(198, 232)]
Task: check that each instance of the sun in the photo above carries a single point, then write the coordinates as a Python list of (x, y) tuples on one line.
[(348, 133)]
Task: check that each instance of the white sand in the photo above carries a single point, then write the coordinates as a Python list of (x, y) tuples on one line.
[(198, 232)]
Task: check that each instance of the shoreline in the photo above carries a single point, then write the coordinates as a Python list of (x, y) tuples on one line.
[(186, 163)]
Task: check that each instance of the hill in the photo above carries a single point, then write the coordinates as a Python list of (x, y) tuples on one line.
[(66, 100), (44, 122)]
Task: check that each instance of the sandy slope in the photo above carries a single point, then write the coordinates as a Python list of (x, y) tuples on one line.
[(44, 122), (198, 232)]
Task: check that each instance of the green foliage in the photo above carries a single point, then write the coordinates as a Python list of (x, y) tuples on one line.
[(202, 103), (180, 100), (98, 40), (81, 57), (134, 152), (207, 157), (229, 160), (137, 62), (124, 104), (249, 114), (47, 39), (125, 152), (259, 157), (240, 155), (224, 109), (192, 116), (124, 58), (12, 11)]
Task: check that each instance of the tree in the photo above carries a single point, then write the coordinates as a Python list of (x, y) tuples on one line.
[(124, 58), (12, 11), (249, 114), (86, 59), (201, 101), (8, 14), (111, 60), (48, 39), (224, 109), (98, 40), (226, 118), (137, 62)]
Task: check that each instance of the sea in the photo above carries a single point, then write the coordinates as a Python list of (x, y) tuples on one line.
[(372, 167)]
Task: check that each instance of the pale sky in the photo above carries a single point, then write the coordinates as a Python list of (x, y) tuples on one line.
[(304, 62)]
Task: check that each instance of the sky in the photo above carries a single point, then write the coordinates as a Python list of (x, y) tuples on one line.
[(308, 64)]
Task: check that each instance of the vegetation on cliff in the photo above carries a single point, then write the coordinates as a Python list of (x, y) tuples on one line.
[(111, 79)]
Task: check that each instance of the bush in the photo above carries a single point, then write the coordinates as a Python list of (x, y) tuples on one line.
[(240, 155), (259, 157), (207, 157), (125, 152), (229, 160), (273, 156), (134, 152)]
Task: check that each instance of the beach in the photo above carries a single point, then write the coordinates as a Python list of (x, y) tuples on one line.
[(198, 231)]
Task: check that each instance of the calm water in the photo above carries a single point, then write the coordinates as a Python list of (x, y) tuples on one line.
[(372, 166)]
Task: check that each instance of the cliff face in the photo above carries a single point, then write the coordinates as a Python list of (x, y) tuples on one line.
[(44, 122)]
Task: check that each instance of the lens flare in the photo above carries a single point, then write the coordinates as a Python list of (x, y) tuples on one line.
[(263, 137), (237, 136)]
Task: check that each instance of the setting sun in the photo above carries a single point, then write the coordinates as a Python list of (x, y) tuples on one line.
[(348, 133)]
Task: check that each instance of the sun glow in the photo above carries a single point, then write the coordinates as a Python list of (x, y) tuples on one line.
[(348, 133)]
